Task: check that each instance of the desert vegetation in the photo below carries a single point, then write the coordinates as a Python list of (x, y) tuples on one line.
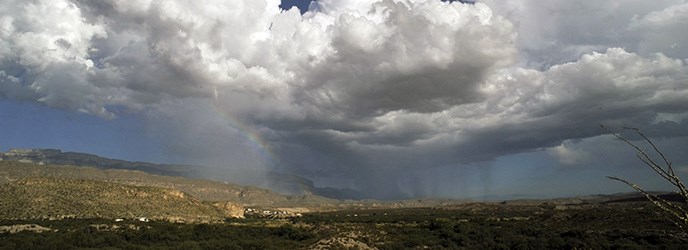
[(471, 225), (65, 207)]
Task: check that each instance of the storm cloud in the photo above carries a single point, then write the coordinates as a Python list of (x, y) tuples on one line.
[(358, 92)]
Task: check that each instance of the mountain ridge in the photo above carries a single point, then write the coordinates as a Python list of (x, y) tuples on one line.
[(205, 190), (286, 184), (43, 162), (31, 191), (50, 156)]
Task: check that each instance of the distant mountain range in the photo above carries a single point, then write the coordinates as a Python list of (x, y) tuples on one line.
[(50, 184), (57, 157), (283, 183), (287, 185)]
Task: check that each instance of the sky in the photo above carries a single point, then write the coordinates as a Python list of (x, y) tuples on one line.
[(395, 98)]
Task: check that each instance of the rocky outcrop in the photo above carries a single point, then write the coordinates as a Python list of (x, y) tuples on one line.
[(36, 156), (24, 227), (32, 152), (231, 210)]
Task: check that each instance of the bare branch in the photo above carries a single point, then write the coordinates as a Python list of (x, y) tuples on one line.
[(676, 180), (677, 211), (637, 149), (663, 204), (666, 161), (656, 169)]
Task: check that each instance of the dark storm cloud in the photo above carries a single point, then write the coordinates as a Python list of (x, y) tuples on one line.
[(363, 90)]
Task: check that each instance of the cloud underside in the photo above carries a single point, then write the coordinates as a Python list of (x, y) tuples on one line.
[(355, 87)]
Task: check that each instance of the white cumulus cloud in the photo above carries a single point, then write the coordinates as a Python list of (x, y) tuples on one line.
[(358, 86)]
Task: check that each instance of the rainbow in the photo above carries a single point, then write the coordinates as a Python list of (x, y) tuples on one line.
[(252, 136)]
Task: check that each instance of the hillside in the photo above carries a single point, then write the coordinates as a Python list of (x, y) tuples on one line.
[(53, 198), (280, 182), (202, 189)]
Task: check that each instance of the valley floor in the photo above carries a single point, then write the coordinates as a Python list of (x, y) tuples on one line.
[(469, 226)]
